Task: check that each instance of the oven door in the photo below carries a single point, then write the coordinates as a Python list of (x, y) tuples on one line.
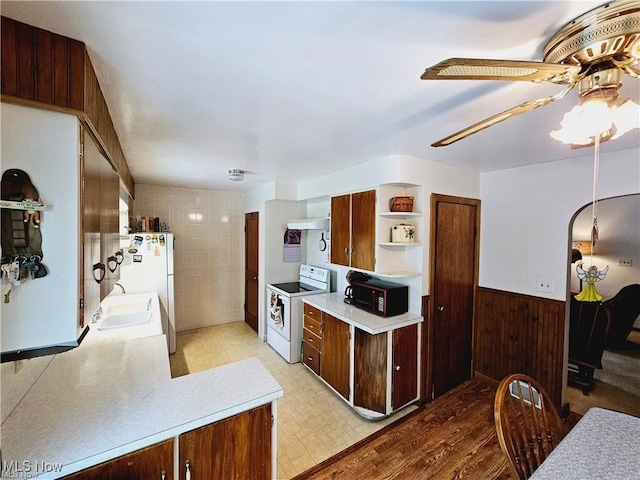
[(279, 313)]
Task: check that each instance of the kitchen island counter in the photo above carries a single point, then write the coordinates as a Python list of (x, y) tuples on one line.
[(333, 303), (96, 403)]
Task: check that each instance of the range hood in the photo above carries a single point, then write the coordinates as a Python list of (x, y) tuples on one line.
[(309, 224)]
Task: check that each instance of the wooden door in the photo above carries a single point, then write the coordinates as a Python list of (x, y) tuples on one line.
[(455, 224), (370, 371), (334, 360), (251, 222), (237, 447), (340, 230), (405, 366), (148, 462), (363, 230)]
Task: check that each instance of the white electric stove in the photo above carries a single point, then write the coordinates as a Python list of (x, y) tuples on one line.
[(285, 310)]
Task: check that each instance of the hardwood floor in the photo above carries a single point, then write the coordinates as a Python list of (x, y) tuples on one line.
[(451, 438)]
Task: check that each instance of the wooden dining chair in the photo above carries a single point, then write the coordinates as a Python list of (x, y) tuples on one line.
[(527, 423)]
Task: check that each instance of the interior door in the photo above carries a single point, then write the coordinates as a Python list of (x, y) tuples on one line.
[(455, 226), (251, 222)]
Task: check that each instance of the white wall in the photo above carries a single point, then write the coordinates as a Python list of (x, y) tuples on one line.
[(526, 213), (44, 311), (209, 250)]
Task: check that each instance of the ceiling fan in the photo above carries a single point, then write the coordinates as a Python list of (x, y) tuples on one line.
[(590, 52)]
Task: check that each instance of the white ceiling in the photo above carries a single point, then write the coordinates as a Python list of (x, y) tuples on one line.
[(289, 91)]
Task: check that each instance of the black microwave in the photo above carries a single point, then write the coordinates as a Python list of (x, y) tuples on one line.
[(379, 297)]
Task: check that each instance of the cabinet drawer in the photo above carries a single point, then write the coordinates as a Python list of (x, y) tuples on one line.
[(311, 357), (313, 325), (313, 312), (312, 339)]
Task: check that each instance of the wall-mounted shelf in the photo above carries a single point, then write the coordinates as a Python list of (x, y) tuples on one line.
[(399, 274), (28, 205), (400, 214), (400, 244)]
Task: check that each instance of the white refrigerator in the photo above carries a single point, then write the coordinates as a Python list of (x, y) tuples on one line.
[(147, 266)]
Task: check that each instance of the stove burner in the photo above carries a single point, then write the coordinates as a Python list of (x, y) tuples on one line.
[(294, 287)]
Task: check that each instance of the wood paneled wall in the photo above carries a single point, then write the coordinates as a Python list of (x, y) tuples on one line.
[(520, 333), (46, 70)]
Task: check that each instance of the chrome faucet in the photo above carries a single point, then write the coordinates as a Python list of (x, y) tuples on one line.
[(123, 290)]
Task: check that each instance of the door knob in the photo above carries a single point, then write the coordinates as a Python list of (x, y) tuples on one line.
[(441, 308)]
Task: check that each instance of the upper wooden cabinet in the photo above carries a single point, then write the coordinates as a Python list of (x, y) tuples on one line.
[(47, 70), (353, 230)]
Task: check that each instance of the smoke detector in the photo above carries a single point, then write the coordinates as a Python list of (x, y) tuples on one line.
[(236, 175)]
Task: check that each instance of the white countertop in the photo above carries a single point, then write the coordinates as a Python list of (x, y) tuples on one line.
[(96, 403), (333, 303), (603, 445)]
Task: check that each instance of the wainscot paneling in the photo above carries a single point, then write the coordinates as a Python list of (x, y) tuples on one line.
[(520, 333)]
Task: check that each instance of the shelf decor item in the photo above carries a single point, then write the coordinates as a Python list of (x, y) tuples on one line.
[(401, 204), (403, 233)]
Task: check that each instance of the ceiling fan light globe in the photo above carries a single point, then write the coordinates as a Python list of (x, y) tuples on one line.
[(626, 117)]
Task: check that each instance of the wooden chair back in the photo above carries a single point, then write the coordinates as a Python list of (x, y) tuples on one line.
[(527, 423)]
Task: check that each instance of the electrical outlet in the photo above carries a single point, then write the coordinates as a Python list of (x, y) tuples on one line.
[(544, 285), (17, 366), (624, 262)]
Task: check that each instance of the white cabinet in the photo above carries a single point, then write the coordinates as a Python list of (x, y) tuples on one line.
[(44, 312)]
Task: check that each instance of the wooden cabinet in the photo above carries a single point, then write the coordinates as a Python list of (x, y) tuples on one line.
[(334, 363), (151, 462), (375, 374), (238, 447), (312, 338), (404, 372), (374, 356), (370, 371), (353, 233), (326, 347)]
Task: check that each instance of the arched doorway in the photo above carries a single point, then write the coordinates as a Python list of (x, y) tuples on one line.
[(617, 384)]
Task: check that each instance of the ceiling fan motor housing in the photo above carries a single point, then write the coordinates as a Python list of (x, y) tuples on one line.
[(603, 38)]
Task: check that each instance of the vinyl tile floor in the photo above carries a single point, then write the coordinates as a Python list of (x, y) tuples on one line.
[(313, 423)]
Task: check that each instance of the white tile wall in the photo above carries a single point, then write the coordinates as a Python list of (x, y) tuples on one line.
[(209, 250)]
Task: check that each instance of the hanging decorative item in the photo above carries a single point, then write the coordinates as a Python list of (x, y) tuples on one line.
[(592, 275), (21, 232)]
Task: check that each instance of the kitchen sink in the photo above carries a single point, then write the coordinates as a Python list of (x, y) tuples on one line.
[(126, 315)]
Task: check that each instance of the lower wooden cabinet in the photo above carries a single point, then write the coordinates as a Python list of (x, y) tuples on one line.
[(404, 372), (374, 356), (382, 371), (149, 463), (334, 362), (237, 447)]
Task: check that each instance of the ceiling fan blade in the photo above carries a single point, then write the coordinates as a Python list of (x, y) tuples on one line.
[(512, 112), (511, 70)]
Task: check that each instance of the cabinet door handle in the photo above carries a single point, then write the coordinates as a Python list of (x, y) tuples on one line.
[(441, 308), (309, 358), (398, 368), (187, 473), (163, 475)]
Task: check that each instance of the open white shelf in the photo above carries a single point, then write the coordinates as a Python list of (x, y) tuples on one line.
[(400, 244)]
